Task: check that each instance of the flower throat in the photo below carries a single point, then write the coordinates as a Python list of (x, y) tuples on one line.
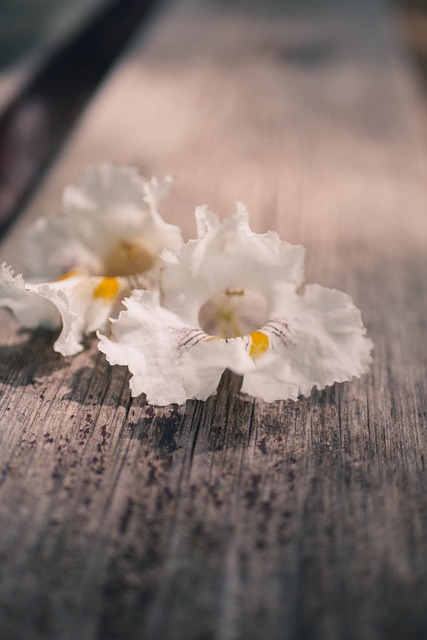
[(233, 313)]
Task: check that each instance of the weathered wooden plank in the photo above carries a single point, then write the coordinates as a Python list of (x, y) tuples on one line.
[(233, 518)]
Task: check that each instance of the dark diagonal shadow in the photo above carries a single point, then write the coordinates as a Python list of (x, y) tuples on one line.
[(21, 364)]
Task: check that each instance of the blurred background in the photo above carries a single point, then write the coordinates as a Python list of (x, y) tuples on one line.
[(25, 23), (30, 27), (412, 15), (54, 53)]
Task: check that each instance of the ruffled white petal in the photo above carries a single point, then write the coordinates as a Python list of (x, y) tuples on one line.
[(228, 255), (310, 339), (109, 228), (109, 188), (272, 380), (169, 360), (145, 338), (203, 365), (82, 310), (329, 342), (321, 340), (77, 301), (108, 204), (30, 309)]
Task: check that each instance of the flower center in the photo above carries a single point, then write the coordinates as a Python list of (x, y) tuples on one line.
[(127, 259), (233, 313)]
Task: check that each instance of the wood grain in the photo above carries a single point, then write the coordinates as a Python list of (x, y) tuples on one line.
[(232, 518)]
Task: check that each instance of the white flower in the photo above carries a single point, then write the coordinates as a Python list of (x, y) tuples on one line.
[(234, 299), (81, 263)]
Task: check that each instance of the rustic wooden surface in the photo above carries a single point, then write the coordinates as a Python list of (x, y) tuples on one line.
[(234, 519)]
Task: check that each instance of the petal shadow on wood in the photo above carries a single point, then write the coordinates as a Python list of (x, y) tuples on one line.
[(221, 422), (208, 422), (21, 364), (94, 382)]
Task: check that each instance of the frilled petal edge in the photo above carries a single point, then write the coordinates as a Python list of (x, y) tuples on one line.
[(108, 210), (170, 361), (228, 255), (82, 303), (22, 298), (85, 304), (320, 341)]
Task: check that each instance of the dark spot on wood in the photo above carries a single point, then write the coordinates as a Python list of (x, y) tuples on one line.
[(152, 474), (149, 411), (266, 509), (167, 429), (104, 438), (252, 494), (262, 445)]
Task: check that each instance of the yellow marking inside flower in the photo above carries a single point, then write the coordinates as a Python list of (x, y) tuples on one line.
[(234, 292), (107, 289), (259, 344), (69, 274)]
